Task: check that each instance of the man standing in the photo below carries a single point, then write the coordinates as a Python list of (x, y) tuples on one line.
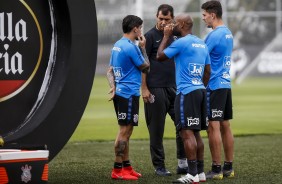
[(220, 45), (158, 92), (124, 76), (193, 71)]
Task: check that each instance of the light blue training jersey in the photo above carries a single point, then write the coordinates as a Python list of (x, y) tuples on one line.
[(220, 45), (190, 56), (125, 59)]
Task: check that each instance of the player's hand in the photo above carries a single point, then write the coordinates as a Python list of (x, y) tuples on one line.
[(112, 93), (146, 95), (168, 30), (142, 41)]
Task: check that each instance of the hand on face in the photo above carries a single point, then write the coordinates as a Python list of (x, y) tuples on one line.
[(142, 41), (168, 29)]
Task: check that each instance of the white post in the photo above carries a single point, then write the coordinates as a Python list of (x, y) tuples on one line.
[(139, 10)]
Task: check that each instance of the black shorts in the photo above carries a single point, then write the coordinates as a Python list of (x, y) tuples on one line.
[(191, 110), (219, 103), (127, 110)]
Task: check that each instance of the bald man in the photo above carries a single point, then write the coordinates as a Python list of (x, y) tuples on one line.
[(192, 61)]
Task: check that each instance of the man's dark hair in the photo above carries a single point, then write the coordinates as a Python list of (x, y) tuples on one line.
[(129, 22), (165, 9), (213, 7)]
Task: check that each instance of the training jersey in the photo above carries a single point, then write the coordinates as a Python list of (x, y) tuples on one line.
[(125, 59), (162, 74), (190, 56), (220, 45)]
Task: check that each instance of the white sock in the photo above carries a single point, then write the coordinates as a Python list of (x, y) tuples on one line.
[(182, 163)]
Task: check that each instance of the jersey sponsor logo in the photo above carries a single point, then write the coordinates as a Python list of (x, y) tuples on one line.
[(227, 62), (135, 118), (193, 121), (198, 45), (196, 69), (226, 75), (216, 113), (117, 72), (117, 49), (197, 81), (229, 36), (121, 116)]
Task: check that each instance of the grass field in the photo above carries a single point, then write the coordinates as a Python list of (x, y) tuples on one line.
[(88, 157), (257, 110)]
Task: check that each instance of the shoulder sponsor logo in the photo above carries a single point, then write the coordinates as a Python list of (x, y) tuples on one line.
[(193, 121), (117, 49), (228, 36), (121, 116), (216, 113), (198, 45)]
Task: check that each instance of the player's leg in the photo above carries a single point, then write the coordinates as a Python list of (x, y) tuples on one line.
[(155, 114), (227, 138), (215, 103), (121, 146), (182, 167), (187, 116)]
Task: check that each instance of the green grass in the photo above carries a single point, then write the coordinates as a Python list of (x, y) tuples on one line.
[(257, 106), (88, 157), (257, 160)]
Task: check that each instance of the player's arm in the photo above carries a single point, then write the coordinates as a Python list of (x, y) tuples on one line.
[(207, 74), (144, 88), (111, 80), (165, 42), (145, 67)]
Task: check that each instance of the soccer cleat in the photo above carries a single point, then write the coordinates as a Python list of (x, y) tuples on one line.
[(228, 173), (202, 177), (129, 170), (161, 171), (181, 170), (117, 174), (188, 178), (214, 175)]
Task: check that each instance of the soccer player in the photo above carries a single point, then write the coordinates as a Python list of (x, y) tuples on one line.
[(192, 62), (124, 76), (220, 45), (158, 92)]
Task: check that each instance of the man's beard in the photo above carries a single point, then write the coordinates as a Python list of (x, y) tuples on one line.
[(175, 32)]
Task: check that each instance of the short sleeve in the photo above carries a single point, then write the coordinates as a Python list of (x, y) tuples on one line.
[(136, 55), (211, 41), (173, 49)]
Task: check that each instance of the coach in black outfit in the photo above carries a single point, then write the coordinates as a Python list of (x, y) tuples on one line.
[(158, 92)]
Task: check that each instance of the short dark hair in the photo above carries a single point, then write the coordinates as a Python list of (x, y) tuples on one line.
[(129, 22), (165, 8), (213, 7)]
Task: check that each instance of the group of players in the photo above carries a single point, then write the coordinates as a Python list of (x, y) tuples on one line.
[(183, 76)]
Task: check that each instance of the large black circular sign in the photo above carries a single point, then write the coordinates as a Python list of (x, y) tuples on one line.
[(48, 55)]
